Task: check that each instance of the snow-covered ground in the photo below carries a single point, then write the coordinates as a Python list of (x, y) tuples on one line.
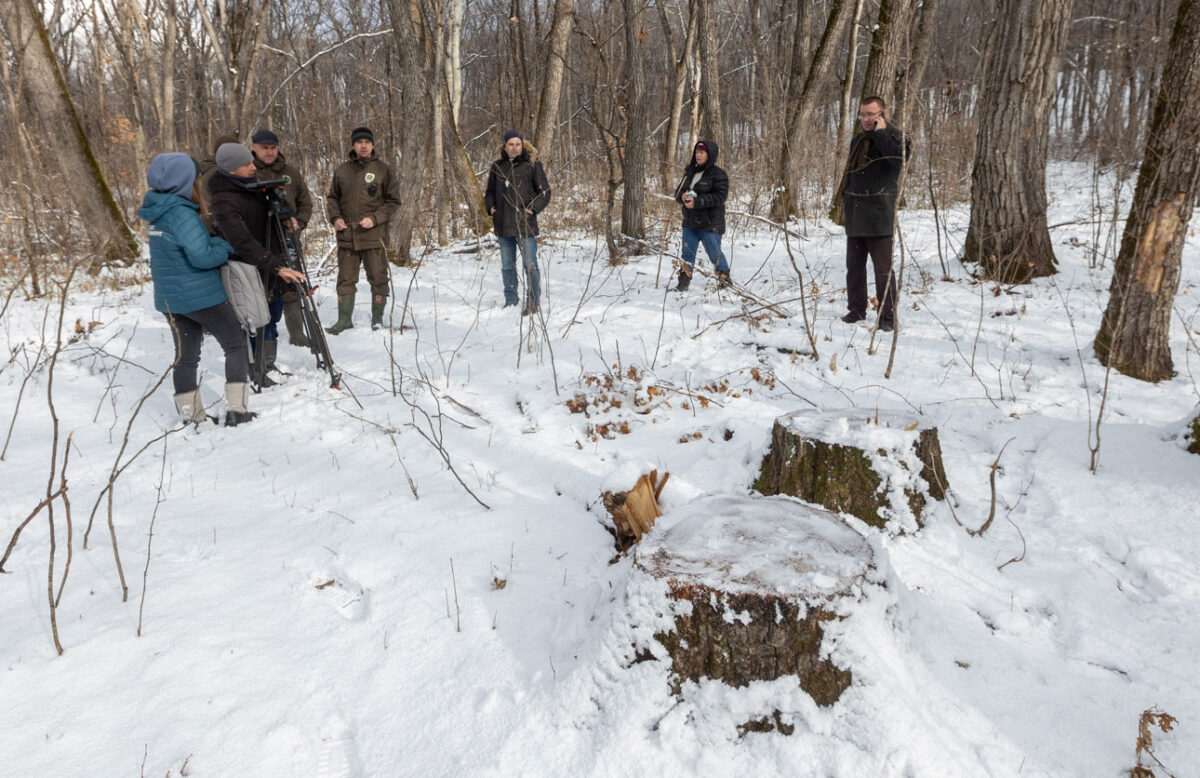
[(320, 595)]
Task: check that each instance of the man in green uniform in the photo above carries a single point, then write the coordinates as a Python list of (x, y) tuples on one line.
[(361, 199)]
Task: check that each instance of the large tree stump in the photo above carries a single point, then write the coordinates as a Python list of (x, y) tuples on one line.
[(753, 582), (877, 466)]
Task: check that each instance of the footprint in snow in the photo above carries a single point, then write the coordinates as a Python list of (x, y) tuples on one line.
[(338, 756)]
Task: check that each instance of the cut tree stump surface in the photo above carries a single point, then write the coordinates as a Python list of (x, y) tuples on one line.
[(753, 582), (877, 466)]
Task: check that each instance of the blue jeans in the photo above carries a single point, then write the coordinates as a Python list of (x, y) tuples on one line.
[(692, 239), (271, 330), (508, 266)]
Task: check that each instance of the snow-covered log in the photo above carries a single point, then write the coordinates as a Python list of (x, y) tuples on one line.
[(878, 466), (754, 583)]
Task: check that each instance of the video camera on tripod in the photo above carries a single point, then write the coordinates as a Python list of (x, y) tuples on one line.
[(278, 211)]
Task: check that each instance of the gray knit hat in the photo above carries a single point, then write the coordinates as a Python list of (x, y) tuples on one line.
[(231, 156)]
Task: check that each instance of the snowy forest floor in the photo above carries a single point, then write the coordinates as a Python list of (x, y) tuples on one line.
[(320, 593)]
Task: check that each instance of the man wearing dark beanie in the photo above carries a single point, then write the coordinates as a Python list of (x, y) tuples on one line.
[(362, 198), (271, 165), (517, 191)]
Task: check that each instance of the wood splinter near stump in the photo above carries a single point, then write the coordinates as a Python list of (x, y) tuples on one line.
[(634, 512), (754, 584), (876, 465)]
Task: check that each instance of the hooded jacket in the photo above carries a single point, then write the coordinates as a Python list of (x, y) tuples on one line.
[(873, 182), (514, 185), (362, 187), (240, 217), (183, 257), (708, 211), (298, 197)]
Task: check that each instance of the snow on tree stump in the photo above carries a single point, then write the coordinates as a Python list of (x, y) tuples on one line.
[(880, 467), (752, 584)]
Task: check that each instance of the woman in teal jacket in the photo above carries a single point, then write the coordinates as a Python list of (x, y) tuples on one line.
[(184, 262)]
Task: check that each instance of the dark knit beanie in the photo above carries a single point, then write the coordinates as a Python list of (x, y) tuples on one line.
[(511, 134), (361, 133), (265, 137)]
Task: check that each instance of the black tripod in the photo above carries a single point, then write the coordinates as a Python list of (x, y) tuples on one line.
[(279, 212)]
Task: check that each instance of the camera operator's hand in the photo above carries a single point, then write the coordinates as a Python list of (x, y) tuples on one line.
[(339, 224), (291, 276), (367, 223), (293, 225)]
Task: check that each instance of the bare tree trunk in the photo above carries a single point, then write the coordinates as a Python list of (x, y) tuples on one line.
[(459, 163), (679, 81), (890, 47), (1008, 233), (556, 61), (416, 76), (633, 166), (516, 45), (1134, 333), (46, 96), (712, 125), (441, 109), (453, 63), (844, 117), (798, 128), (166, 119)]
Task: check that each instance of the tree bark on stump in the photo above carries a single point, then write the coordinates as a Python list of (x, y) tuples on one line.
[(805, 463), (754, 583)]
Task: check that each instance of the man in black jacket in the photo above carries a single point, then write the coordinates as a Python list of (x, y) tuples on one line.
[(240, 216), (517, 191), (869, 205), (271, 166), (702, 193)]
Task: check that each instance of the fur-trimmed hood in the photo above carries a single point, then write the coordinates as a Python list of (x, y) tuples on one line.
[(529, 152)]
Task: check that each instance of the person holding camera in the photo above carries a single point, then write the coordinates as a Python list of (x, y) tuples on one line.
[(184, 262), (271, 165), (702, 193), (869, 206), (362, 197), (240, 215), (517, 191)]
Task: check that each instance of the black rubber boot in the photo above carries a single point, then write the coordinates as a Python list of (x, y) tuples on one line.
[(685, 279)]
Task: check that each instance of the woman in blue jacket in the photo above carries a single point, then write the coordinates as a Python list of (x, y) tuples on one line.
[(184, 262)]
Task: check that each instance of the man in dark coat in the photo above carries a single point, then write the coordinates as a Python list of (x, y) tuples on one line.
[(517, 191), (702, 193), (240, 216), (362, 197), (271, 166), (869, 205)]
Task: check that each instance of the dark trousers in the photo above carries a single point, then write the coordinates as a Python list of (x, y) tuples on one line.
[(375, 263), (189, 329), (880, 251)]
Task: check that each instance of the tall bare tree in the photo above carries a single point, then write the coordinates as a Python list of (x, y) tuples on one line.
[(1134, 333), (712, 124), (633, 167), (801, 111), (556, 62), (1008, 232), (46, 96)]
